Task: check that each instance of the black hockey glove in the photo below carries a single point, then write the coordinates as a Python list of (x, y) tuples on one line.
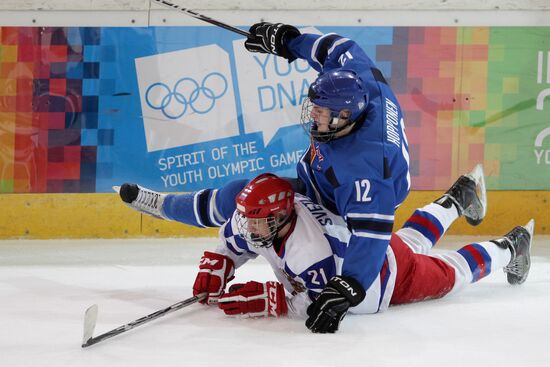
[(328, 310), (271, 39)]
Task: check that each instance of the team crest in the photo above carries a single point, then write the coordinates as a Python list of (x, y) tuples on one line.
[(315, 152)]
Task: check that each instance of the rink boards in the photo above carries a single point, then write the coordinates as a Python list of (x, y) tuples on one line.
[(43, 216)]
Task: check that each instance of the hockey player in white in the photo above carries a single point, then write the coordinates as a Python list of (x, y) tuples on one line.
[(305, 244)]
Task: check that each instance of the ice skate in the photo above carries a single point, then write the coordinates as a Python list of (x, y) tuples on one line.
[(518, 241), (142, 199), (469, 196)]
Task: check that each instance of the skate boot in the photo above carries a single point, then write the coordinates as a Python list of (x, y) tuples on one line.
[(468, 195), (142, 199), (518, 241)]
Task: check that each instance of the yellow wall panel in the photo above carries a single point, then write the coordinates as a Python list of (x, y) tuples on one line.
[(47, 216)]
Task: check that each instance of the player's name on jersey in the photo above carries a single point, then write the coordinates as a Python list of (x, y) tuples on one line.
[(318, 211)]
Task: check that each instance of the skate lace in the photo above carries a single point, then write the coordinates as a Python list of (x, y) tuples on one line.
[(516, 267), (147, 199)]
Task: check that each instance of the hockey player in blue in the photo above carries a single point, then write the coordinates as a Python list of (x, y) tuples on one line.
[(357, 165), (358, 162)]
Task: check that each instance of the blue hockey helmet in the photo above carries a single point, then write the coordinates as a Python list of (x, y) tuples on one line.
[(340, 91)]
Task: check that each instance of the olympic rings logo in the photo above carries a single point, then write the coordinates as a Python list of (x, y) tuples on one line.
[(187, 93)]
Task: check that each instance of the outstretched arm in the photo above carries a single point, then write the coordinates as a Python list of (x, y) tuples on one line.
[(329, 51), (323, 52)]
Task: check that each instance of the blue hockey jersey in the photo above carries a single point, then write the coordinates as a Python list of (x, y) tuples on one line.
[(363, 176)]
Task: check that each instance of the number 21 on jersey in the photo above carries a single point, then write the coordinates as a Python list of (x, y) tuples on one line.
[(362, 188), (318, 278)]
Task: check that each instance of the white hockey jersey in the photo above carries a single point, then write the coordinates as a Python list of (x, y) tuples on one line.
[(309, 256)]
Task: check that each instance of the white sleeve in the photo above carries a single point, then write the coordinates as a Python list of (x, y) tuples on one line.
[(234, 248), (297, 305)]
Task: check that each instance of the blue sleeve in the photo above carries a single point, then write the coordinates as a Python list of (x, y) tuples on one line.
[(368, 205), (330, 51), (204, 208)]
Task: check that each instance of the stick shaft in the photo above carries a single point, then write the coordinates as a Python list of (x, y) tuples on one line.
[(204, 18), (142, 320)]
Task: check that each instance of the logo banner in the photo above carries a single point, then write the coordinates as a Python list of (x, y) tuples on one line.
[(185, 108)]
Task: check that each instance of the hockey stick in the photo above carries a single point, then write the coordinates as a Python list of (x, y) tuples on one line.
[(204, 18), (90, 318)]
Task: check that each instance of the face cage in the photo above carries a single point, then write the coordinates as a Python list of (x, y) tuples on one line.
[(255, 239), (310, 126)]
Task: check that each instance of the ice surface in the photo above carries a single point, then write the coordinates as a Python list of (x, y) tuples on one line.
[(45, 287)]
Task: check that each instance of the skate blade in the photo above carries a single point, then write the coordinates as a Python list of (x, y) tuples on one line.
[(530, 227), (478, 176)]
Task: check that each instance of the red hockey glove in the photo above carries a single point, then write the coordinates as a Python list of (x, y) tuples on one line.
[(254, 299), (215, 270)]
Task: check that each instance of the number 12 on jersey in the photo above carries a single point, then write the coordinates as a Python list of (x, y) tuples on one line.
[(362, 188)]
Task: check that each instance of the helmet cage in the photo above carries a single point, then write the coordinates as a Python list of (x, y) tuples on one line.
[(339, 120), (261, 232)]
